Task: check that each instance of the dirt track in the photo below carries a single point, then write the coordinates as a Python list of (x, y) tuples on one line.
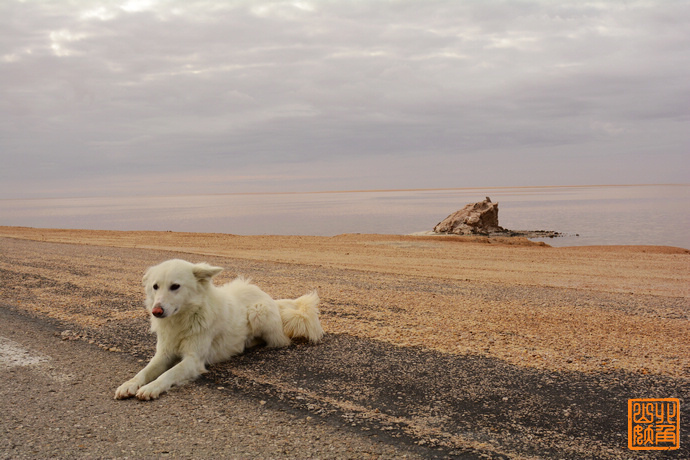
[(471, 348)]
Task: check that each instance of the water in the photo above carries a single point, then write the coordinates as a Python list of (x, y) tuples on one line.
[(640, 214)]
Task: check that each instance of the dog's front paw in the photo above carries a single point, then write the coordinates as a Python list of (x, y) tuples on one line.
[(127, 389), (149, 392)]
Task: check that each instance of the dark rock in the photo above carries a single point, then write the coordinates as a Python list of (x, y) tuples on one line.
[(474, 219), (481, 218)]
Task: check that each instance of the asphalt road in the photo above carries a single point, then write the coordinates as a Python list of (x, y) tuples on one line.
[(56, 401), (345, 398)]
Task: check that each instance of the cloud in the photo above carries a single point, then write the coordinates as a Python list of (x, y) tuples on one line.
[(95, 91)]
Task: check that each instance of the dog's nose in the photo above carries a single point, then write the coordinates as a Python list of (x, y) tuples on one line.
[(158, 311)]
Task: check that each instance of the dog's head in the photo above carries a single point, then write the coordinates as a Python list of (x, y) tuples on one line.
[(173, 284)]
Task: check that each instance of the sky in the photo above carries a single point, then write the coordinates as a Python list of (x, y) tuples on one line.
[(149, 97)]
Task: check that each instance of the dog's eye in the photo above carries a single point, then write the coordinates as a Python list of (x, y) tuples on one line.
[(155, 287), (174, 287)]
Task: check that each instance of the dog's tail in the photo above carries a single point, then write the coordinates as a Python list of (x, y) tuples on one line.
[(301, 317)]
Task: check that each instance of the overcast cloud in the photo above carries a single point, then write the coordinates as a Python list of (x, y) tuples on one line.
[(147, 96)]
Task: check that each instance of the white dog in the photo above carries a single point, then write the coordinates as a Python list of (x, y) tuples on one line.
[(198, 323)]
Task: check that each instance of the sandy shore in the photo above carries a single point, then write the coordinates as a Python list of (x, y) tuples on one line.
[(473, 347), (580, 308)]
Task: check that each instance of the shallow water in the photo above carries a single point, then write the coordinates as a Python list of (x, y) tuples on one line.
[(639, 214)]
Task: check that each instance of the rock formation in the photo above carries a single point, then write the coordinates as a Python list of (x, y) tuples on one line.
[(482, 219), (474, 219)]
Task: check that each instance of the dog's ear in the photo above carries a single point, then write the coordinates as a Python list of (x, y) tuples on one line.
[(145, 279), (204, 271)]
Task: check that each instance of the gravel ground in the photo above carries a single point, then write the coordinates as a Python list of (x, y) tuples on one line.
[(60, 405), (439, 346)]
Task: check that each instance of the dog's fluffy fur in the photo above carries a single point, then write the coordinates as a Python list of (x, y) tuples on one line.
[(198, 323)]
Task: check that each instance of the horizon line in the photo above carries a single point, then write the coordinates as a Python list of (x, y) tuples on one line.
[(314, 192)]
